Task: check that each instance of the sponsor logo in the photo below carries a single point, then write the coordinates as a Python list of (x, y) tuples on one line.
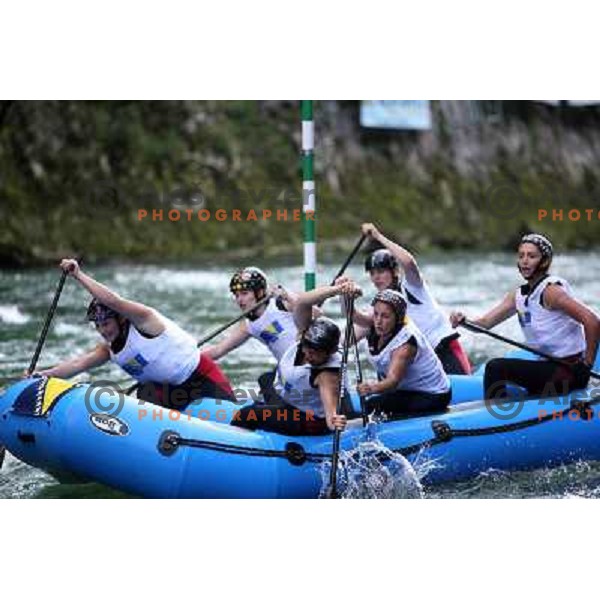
[(109, 424)]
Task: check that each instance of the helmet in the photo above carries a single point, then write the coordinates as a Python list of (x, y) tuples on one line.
[(322, 334), (542, 242), (98, 312), (394, 299), (248, 278), (381, 259)]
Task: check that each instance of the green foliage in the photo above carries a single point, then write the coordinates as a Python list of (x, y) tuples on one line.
[(73, 176)]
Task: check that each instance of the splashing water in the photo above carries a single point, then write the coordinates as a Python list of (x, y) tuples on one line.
[(371, 470)]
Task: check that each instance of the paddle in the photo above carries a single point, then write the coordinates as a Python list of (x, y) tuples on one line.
[(359, 377), (42, 338), (216, 332), (46, 327), (332, 490), (478, 329), (352, 254)]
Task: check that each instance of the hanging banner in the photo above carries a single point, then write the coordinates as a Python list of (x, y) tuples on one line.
[(571, 102), (396, 114)]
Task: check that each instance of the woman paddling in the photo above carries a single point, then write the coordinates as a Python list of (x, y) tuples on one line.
[(411, 379), (148, 346), (553, 322), (307, 383), (271, 323), (383, 267)]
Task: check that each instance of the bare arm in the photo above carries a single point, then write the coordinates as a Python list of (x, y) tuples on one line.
[(404, 257), (143, 317), (362, 319), (306, 301), (402, 357), (290, 301), (328, 383), (502, 311), (235, 339), (69, 368), (555, 298)]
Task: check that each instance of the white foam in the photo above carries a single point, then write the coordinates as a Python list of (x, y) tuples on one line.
[(66, 329), (12, 315)]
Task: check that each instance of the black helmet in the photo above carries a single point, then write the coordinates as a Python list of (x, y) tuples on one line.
[(381, 259), (98, 312), (322, 334), (394, 299), (542, 242), (248, 278)]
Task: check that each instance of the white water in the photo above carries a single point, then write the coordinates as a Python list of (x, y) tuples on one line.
[(11, 315)]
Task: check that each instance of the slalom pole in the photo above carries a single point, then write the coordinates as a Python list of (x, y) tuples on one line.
[(308, 195)]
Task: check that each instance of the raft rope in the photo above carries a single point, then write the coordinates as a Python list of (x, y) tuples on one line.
[(295, 453)]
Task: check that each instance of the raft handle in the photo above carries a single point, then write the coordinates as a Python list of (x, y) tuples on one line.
[(26, 438), (584, 408), (442, 431), (168, 442)]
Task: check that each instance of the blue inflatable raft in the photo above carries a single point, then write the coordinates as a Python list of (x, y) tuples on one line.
[(149, 451)]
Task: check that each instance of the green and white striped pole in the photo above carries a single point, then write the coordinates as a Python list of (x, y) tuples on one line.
[(308, 195)]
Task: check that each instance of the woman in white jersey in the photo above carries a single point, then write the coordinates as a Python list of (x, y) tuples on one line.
[(553, 322), (272, 323), (411, 379), (383, 268), (307, 383), (148, 346)]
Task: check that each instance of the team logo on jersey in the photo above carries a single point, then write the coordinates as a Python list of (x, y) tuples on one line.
[(524, 318), (135, 366), (270, 334)]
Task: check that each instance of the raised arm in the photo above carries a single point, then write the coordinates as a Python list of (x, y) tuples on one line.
[(303, 312), (404, 257), (143, 317), (290, 300), (502, 311), (69, 368), (235, 339), (555, 298)]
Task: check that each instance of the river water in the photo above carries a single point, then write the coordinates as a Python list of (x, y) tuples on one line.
[(198, 299)]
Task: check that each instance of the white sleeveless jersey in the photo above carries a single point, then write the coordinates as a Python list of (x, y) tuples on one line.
[(275, 328), (424, 374), (426, 313), (295, 383), (549, 331), (170, 357)]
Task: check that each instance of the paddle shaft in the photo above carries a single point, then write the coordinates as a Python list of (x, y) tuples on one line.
[(243, 315), (477, 328), (359, 377), (352, 254), (337, 433), (49, 317)]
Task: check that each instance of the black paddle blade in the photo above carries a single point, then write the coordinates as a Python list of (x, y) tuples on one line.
[(331, 493), (2, 455)]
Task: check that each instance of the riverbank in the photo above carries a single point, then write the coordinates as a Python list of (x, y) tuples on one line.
[(74, 177)]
